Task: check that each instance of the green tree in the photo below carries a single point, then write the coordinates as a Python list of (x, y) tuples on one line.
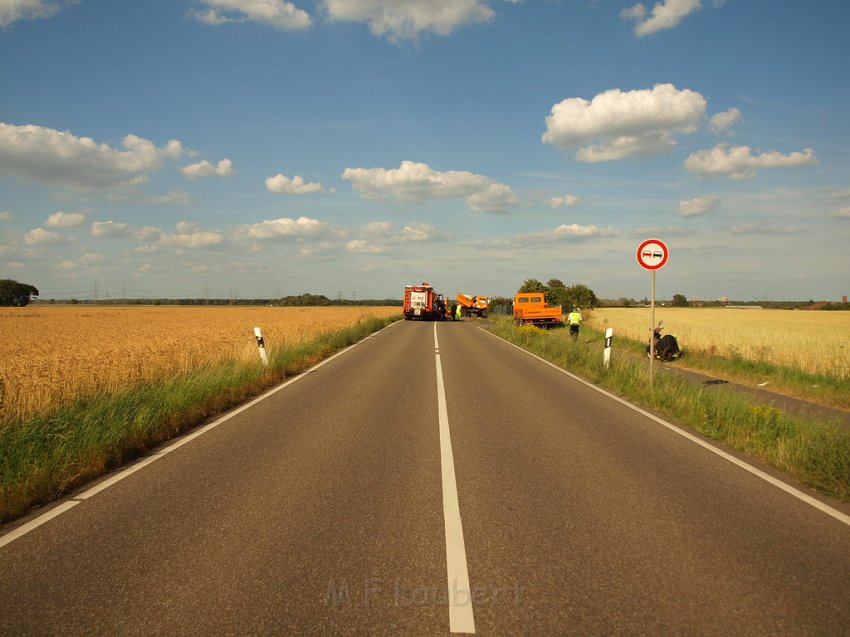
[(679, 300), (533, 285), (14, 294), (581, 296)]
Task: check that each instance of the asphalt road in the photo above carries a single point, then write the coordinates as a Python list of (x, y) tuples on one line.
[(328, 507)]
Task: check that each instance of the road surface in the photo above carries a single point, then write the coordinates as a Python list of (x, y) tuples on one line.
[(432, 479)]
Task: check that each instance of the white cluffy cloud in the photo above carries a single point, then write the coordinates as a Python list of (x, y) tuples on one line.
[(57, 158), (62, 219), (224, 168), (414, 182), (567, 232), (723, 122), (14, 10), (283, 185), (665, 15), (617, 124), (122, 230), (738, 162), (190, 235), (406, 19), (285, 228), (698, 205), (566, 200), (278, 14)]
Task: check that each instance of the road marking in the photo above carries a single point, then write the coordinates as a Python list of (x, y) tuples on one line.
[(67, 505), (779, 484), (461, 619)]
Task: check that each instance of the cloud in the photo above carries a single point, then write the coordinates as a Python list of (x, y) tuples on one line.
[(66, 219), (764, 228), (421, 232), (567, 232), (282, 228), (723, 122), (114, 229), (224, 168), (566, 200), (698, 205), (5, 215), (377, 229), (407, 19), (665, 15), (617, 124), (179, 197), (495, 197), (278, 14), (14, 10), (362, 246), (190, 235), (56, 158), (40, 236), (842, 213), (283, 185), (738, 162), (415, 182)]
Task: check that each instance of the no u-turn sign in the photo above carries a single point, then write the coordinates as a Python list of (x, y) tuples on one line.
[(652, 254)]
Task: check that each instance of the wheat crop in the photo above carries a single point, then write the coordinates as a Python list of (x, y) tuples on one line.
[(50, 355), (815, 342)]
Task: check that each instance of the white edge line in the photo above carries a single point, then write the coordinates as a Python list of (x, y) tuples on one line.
[(461, 616), (814, 502), (67, 505), (37, 522)]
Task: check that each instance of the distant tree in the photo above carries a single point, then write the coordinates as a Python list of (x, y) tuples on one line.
[(532, 285), (555, 283), (14, 294), (580, 295), (679, 300)]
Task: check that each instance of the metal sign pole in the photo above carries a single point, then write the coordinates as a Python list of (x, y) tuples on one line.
[(652, 330)]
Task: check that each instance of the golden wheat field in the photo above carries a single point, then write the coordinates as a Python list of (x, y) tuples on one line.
[(817, 342), (50, 354)]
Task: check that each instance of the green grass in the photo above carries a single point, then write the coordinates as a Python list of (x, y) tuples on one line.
[(825, 390), (45, 456), (815, 452)]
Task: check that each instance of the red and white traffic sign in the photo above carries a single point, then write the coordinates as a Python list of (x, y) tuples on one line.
[(652, 254)]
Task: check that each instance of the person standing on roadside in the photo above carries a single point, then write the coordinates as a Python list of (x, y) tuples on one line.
[(574, 321)]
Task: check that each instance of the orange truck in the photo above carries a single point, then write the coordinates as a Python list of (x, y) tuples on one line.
[(530, 308), (473, 305), (422, 302)]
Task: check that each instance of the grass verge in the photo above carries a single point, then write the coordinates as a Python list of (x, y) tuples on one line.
[(816, 453), (822, 389), (43, 457)]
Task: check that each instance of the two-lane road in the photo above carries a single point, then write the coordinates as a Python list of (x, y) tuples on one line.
[(325, 508)]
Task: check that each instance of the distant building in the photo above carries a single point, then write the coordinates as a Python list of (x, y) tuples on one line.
[(723, 299)]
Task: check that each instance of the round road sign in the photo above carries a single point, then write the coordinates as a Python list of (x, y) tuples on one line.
[(652, 254)]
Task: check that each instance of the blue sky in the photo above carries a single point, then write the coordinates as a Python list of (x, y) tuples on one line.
[(259, 148)]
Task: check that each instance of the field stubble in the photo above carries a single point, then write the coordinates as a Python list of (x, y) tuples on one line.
[(50, 356)]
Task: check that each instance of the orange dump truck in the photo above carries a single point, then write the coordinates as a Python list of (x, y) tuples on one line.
[(473, 305), (530, 308), (422, 302)]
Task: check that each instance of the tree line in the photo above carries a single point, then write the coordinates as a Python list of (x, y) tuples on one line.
[(14, 294)]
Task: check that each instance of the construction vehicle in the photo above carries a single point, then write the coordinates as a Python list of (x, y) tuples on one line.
[(422, 302), (473, 305), (530, 308)]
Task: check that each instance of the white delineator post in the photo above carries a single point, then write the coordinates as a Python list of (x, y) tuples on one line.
[(606, 354), (262, 345)]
